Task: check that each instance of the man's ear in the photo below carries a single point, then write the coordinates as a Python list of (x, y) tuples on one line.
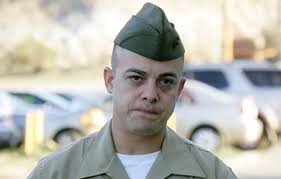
[(108, 79), (182, 82)]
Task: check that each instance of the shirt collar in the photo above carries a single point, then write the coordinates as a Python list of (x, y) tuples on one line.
[(175, 158), (100, 158)]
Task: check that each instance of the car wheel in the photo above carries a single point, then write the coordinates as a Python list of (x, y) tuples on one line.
[(269, 136), (67, 136), (206, 137)]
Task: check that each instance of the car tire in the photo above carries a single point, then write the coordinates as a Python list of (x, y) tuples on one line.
[(269, 136), (67, 136), (207, 138)]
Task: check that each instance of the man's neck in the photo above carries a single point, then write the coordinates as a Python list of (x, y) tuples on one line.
[(133, 144)]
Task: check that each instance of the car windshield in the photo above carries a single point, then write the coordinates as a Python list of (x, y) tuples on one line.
[(31, 99), (65, 96), (215, 78), (264, 78)]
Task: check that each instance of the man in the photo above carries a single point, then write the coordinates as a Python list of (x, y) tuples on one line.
[(145, 81)]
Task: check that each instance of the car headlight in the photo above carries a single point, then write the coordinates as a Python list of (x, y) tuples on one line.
[(249, 106), (98, 117), (93, 120)]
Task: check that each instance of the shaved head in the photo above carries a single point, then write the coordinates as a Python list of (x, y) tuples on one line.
[(114, 57)]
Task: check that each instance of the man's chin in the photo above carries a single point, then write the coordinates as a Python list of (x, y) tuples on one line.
[(146, 130)]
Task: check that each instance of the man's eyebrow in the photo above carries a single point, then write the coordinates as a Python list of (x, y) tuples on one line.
[(138, 71), (135, 70), (169, 74)]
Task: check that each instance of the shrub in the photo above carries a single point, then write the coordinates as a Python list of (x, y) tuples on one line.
[(30, 56)]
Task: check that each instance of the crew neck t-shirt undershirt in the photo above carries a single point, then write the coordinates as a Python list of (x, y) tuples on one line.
[(138, 166)]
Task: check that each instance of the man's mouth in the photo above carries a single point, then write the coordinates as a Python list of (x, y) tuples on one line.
[(149, 111)]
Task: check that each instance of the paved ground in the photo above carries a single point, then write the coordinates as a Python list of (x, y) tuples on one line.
[(16, 171), (265, 164)]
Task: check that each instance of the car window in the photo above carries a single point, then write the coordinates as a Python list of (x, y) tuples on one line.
[(29, 98), (65, 96), (264, 78), (214, 78)]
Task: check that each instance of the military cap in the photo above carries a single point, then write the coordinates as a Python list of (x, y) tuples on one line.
[(150, 34)]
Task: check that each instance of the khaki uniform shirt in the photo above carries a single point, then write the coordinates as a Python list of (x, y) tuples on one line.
[(94, 157)]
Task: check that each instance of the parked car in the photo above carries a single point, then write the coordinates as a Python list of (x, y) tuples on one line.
[(97, 114), (244, 78), (85, 99), (46, 100), (63, 128), (62, 118), (10, 135), (212, 118)]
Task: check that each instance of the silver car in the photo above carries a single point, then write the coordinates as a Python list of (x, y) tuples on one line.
[(62, 119), (10, 134), (243, 78), (212, 118)]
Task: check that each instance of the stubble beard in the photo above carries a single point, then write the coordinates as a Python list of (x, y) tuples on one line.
[(138, 127)]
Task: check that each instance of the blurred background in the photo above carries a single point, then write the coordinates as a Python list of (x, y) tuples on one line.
[(52, 56)]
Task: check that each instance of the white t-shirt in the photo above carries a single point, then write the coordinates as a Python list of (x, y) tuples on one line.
[(137, 166)]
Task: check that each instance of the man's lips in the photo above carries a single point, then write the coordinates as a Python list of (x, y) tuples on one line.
[(147, 111)]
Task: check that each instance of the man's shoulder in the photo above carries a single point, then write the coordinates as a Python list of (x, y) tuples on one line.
[(208, 162), (74, 149), (64, 159), (70, 160), (197, 151), (194, 148)]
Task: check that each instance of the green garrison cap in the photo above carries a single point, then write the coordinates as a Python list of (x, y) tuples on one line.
[(150, 34)]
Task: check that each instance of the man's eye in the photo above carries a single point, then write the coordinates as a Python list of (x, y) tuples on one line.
[(135, 78), (167, 82)]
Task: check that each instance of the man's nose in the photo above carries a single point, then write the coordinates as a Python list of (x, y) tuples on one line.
[(150, 92)]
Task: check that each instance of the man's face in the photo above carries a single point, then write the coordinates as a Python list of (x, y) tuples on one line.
[(144, 91)]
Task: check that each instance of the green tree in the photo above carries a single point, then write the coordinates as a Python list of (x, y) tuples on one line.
[(30, 55)]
